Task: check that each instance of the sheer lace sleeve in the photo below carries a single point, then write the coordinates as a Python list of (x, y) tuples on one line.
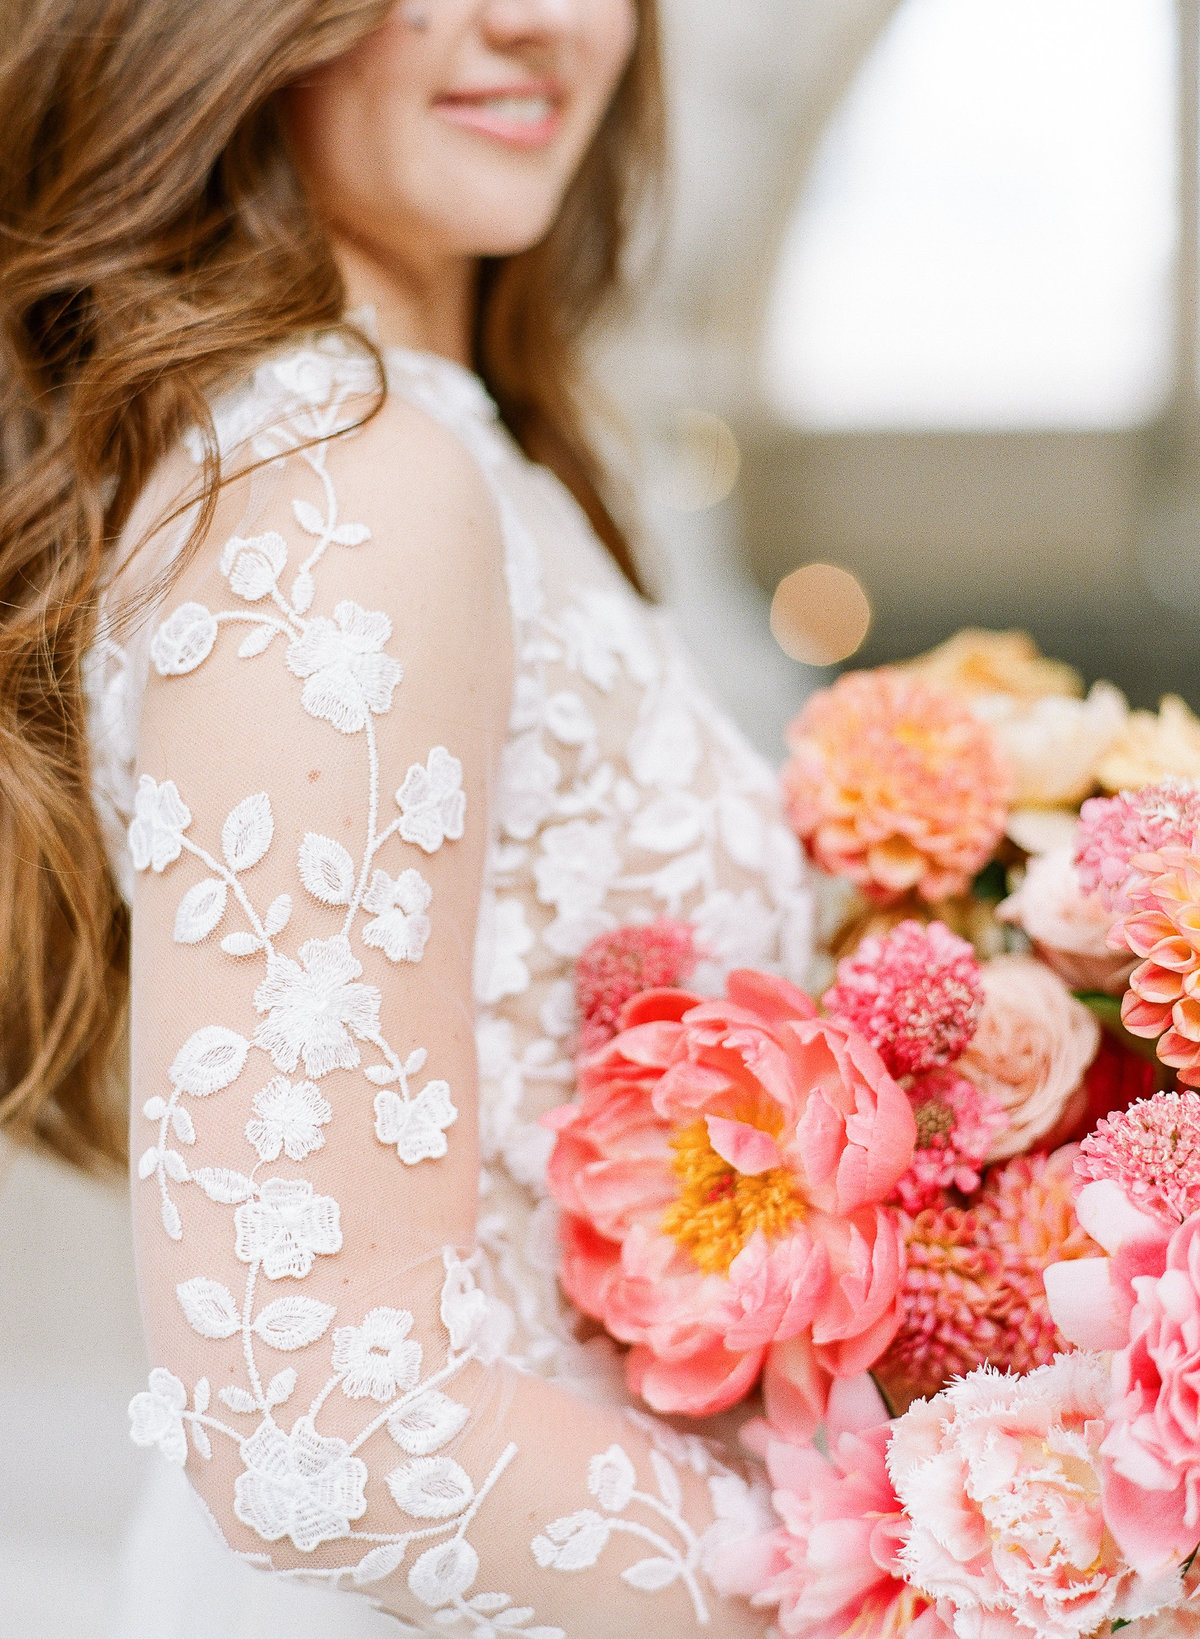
[(327, 701)]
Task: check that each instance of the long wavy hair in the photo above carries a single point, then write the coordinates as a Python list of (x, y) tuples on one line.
[(154, 240)]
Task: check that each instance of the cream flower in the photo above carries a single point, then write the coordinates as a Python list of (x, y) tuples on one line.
[(288, 1116), (1054, 745), (432, 801), (156, 1416), (1152, 747), (976, 663), (300, 1485), (1032, 1043), (347, 675), (160, 817), (314, 1009), (1069, 928), (377, 1357), (400, 927), (287, 1227)]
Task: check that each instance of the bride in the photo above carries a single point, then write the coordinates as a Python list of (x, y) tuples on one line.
[(334, 728)]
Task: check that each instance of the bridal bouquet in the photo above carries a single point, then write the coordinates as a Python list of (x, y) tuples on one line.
[(944, 1220)]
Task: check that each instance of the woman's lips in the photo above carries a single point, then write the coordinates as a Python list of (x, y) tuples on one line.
[(521, 118)]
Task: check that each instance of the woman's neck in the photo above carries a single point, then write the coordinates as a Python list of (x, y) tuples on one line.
[(433, 311)]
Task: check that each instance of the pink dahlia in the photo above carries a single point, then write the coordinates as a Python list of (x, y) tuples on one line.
[(831, 1564), (621, 964), (1152, 1151), (914, 993), (722, 1176), (895, 785), (1001, 1478), (956, 1125), (1114, 831), (1163, 928)]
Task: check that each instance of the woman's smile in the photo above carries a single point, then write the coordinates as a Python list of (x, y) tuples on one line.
[(527, 115)]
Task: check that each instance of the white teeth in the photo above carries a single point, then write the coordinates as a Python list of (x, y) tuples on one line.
[(521, 110)]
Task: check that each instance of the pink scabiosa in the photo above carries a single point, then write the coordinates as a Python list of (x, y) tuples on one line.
[(956, 1126), (1152, 1152), (723, 1178), (1163, 928), (621, 964), (895, 785), (914, 993), (1114, 831)]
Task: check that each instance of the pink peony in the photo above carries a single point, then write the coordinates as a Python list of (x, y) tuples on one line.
[(831, 1564), (1114, 831), (621, 964), (914, 993), (722, 1177), (1163, 928), (956, 1126), (894, 784), (1031, 1047), (1001, 1479), (1068, 927)]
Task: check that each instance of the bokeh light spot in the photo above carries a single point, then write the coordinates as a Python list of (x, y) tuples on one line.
[(820, 614)]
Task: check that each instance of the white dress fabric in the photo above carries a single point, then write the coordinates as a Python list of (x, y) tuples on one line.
[(392, 748)]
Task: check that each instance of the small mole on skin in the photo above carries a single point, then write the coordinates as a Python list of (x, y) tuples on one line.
[(314, 773)]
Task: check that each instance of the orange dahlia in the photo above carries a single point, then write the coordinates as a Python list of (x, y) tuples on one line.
[(895, 785), (1163, 999)]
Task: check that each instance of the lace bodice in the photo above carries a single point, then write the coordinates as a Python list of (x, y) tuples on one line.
[(396, 745)]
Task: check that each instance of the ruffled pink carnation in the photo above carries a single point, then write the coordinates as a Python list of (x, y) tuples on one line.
[(1000, 1477), (914, 993), (1114, 831), (621, 964), (895, 785), (722, 1176), (1163, 928), (1152, 1151), (831, 1564), (956, 1125)]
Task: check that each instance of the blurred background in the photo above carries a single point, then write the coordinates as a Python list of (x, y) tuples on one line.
[(923, 349)]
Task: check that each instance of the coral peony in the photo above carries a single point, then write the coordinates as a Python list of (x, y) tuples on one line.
[(1031, 1047), (1069, 928), (1000, 1477), (722, 1177), (895, 785), (1153, 747), (1053, 746), (976, 664), (1164, 929), (956, 1126), (621, 964), (914, 993), (831, 1564)]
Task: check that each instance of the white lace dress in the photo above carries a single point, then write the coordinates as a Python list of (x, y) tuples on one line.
[(396, 744)]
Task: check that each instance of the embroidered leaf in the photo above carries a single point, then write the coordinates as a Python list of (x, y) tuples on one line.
[(175, 1166), (302, 591), (148, 1162), (381, 1074), (256, 640), (611, 1479), (170, 1219), (247, 832), (281, 1386), (651, 1575), (240, 944), (326, 869), (154, 1108), (184, 640), (351, 534), (223, 1184), (209, 1060), (515, 1618), (444, 1573), (200, 1395), (426, 1423), (182, 1124), (278, 915), (431, 1487), (742, 830), (201, 1441), (415, 1062), (487, 1604), (573, 1543), (308, 517), (380, 1562), (200, 909), (293, 1322), (209, 1307), (238, 1400), (669, 1488)]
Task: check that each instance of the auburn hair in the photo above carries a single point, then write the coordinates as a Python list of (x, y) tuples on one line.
[(154, 241)]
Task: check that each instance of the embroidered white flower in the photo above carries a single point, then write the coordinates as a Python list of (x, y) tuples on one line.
[(156, 1416), (253, 565), (288, 1116), (160, 818), (377, 1357), (475, 1320), (665, 750), (184, 640), (287, 1227), (529, 779), (347, 675), (400, 928), (301, 1485), (577, 864), (739, 929), (503, 940), (432, 801), (314, 1009), (416, 1126)]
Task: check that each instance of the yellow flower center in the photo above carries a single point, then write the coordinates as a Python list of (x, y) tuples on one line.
[(719, 1208)]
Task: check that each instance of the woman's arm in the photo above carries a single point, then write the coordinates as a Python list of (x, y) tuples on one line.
[(329, 695)]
